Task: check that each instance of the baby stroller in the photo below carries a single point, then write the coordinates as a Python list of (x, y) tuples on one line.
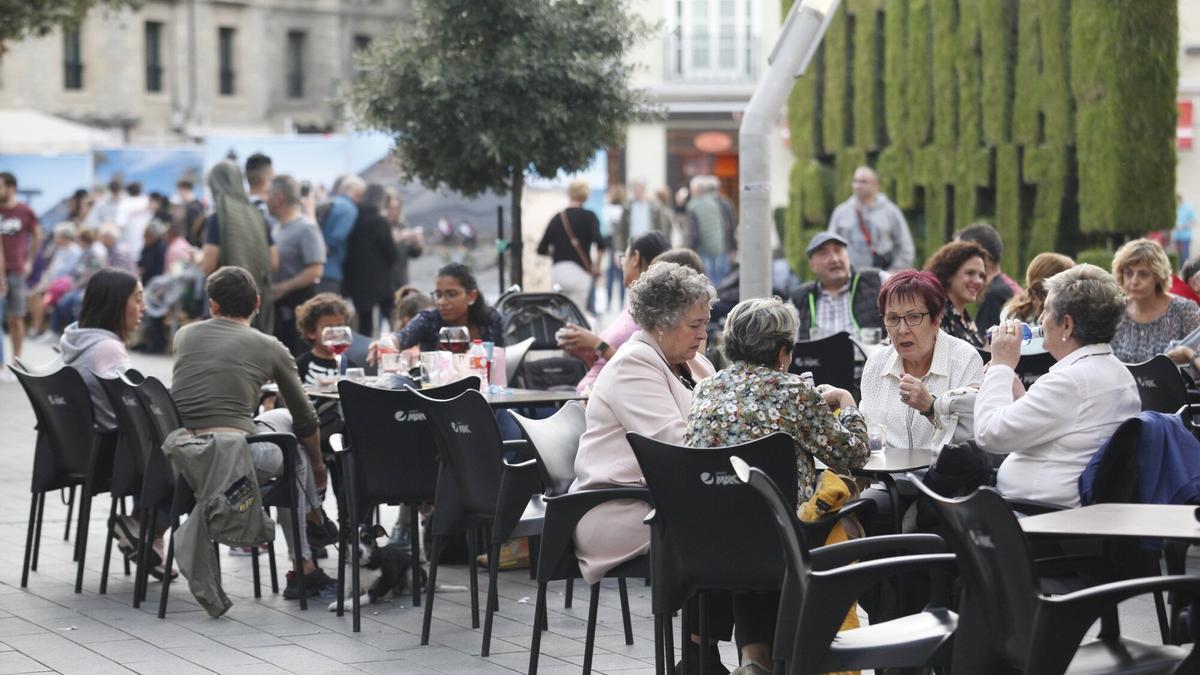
[(538, 316)]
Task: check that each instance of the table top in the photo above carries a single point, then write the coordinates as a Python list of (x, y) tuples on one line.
[(513, 398), (898, 460), (1154, 521)]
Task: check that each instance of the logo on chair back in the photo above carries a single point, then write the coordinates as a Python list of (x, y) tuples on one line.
[(410, 416), (719, 478), (460, 427), (1146, 383), (55, 399), (981, 540), (807, 362), (129, 401)]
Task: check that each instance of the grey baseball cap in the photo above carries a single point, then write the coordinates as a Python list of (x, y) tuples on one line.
[(822, 238)]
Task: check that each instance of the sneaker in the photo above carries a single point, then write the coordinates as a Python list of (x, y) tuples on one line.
[(313, 583), (514, 555), (126, 530), (246, 550), (321, 534), (6, 376)]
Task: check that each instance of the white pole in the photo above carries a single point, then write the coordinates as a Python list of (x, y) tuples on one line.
[(798, 40)]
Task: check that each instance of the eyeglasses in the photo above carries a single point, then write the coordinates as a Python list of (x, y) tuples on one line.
[(912, 319), (448, 295)]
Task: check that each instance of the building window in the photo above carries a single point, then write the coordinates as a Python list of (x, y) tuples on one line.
[(72, 60), (226, 76), (295, 63), (712, 40), (361, 44), (154, 68)]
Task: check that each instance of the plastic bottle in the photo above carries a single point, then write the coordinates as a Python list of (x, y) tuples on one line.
[(1028, 333), (477, 364)]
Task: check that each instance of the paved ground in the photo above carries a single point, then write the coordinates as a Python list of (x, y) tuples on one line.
[(47, 627)]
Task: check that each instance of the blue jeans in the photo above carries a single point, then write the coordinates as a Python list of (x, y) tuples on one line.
[(716, 267), (67, 310), (3, 327), (615, 277)]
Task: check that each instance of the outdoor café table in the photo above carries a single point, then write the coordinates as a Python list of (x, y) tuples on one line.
[(882, 466), (1143, 521), (511, 398)]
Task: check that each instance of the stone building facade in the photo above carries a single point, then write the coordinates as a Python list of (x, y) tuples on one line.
[(179, 69)]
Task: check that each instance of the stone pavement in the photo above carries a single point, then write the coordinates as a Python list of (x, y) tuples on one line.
[(47, 627)]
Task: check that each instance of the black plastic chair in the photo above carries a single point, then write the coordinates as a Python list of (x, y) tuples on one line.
[(830, 359), (387, 455), (1160, 384), (555, 442), (476, 487), (1005, 625), (823, 584), (1030, 367), (709, 531), (71, 452)]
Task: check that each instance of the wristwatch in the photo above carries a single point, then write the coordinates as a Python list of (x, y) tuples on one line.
[(602, 349), (929, 412)]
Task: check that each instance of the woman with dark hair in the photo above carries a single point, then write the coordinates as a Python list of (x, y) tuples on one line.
[(370, 255), (597, 349), (95, 345), (961, 269), (457, 302)]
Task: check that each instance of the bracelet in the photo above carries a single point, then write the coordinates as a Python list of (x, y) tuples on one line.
[(929, 412)]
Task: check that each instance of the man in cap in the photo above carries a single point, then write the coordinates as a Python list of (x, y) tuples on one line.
[(841, 298)]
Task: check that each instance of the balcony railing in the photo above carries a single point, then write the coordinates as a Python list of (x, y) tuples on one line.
[(717, 55)]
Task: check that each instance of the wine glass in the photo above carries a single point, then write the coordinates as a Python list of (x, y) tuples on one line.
[(454, 339), (337, 339)]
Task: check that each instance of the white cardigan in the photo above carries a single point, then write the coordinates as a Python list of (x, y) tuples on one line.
[(1051, 432)]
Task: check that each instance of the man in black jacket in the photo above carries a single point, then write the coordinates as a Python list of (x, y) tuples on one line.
[(841, 298)]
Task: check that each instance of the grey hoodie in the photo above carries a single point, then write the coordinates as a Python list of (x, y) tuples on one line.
[(79, 350)]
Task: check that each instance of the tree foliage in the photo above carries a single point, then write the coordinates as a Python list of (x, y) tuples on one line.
[(479, 93), (33, 18)]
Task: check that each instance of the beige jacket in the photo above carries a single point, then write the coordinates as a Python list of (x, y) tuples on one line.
[(636, 391)]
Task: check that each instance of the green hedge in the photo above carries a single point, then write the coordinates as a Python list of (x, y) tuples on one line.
[(1052, 119)]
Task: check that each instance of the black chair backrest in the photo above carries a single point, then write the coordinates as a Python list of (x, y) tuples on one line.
[(1160, 384), (63, 408), (464, 429), (1032, 366), (999, 584), (719, 531), (137, 433), (555, 441), (830, 359), (395, 455), (158, 483), (161, 407)]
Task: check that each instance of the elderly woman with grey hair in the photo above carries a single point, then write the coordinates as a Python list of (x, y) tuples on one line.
[(756, 396), (1051, 432), (646, 387)]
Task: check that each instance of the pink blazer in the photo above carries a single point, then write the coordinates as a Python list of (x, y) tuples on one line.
[(636, 391)]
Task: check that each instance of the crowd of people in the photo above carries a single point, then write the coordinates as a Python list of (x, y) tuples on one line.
[(320, 265)]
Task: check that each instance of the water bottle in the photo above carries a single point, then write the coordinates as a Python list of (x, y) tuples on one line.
[(477, 364), (1028, 333)]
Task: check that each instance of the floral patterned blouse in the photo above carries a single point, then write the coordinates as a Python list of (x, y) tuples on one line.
[(1135, 342), (961, 326), (745, 402)]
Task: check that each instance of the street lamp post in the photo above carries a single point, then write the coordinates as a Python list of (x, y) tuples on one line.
[(798, 41)]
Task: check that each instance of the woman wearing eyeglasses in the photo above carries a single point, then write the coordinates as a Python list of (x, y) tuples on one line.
[(901, 381), (457, 302)]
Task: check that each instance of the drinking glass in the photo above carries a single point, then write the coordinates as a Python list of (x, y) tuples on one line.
[(337, 339), (356, 375), (876, 434), (454, 339)]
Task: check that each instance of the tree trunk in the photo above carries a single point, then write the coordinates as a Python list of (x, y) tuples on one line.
[(517, 245)]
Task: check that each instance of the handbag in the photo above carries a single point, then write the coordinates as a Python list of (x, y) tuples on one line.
[(584, 258)]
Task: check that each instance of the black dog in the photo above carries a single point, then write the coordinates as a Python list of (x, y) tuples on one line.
[(392, 561)]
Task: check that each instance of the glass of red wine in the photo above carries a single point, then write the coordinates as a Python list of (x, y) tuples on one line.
[(337, 339), (455, 339)]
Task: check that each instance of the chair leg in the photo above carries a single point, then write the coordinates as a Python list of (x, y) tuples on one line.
[(539, 617), (684, 639), (37, 530), (414, 538), (271, 567), (570, 593), (81, 534), (70, 509), (704, 664), (1164, 625), (668, 648), (343, 533), (108, 540), (658, 644), (472, 553), (121, 510), (355, 601), (33, 511), (298, 560), (166, 584), (493, 596), (430, 585), (255, 573), (624, 592), (590, 643), (145, 546)]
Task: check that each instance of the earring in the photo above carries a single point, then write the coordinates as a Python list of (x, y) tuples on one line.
[(1064, 338), (660, 336)]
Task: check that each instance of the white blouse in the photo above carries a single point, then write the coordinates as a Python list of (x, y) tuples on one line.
[(955, 364), (1051, 432)]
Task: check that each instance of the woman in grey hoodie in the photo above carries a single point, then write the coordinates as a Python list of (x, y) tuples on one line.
[(95, 345)]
